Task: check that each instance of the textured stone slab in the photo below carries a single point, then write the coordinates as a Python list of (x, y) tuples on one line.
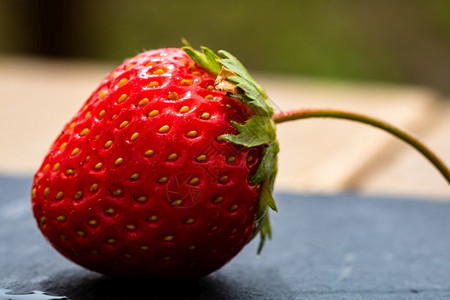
[(324, 247)]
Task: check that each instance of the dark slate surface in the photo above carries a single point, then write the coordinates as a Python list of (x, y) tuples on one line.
[(324, 247)]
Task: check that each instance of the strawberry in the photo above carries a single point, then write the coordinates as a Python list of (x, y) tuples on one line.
[(166, 170)]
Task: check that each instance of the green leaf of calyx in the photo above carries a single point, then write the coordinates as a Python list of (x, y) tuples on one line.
[(265, 231), (234, 65), (207, 59), (253, 96), (268, 165), (258, 130)]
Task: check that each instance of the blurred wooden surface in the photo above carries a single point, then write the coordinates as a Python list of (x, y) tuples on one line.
[(317, 156)]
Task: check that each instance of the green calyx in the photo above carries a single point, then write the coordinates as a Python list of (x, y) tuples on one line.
[(259, 130)]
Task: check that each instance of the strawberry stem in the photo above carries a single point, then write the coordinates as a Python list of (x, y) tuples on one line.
[(339, 114)]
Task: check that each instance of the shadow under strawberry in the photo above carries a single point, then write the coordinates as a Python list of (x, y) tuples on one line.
[(82, 285)]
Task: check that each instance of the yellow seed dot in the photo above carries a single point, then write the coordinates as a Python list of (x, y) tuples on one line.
[(111, 241), (192, 133), (72, 125), (129, 66), (114, 117), (184, 109), (214, 228), (163, 179), (228, 106), (164, 129), (134, 136), (167, 258), (201, 157), (102, 93), (205, 115), (153, 113), (210, 87), (153, 84), (196, 73), (233, 207), (123, 124), (214, 251), (186, 82), (87, 158), (152, 218), (78, 195), (233, 231), (88, 114), (93, 222), (249, 158), (130, 226), (109, 211), (223, 179), (108, 144), (177, 202), (231, 159), (142, 199), (81, 233), (75, 151), (45, 168), (117, 192), (209, 97), (98, 166), (194, 180), (135, 176), (172, 156), (42, 221), (173, 96), (56, 167), (218, 199), (63, 237), (61, 218), (150, 63), (59, 195), (192, 247), (70, 172), (94, 251), (63, 146), (93, 187), (143, 101), (46, 191), (168, 238), (118, 161), (158, 72), (144, 248), (101, 114), (149, 152), (122, 82), (189, 221), (122, 98), (33, 192)]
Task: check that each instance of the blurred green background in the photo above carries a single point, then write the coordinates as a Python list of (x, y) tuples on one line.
[(401, 41)]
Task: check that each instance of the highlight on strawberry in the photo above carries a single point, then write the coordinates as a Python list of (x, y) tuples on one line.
[(167, 170)]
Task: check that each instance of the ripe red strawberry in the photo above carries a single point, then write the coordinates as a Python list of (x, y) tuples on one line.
[(167, 170), (149, 179)]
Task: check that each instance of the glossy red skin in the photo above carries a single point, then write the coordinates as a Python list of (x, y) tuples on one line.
[(128, 242)]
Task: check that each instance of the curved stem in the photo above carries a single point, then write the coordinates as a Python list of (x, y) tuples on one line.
[(339, 114)]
